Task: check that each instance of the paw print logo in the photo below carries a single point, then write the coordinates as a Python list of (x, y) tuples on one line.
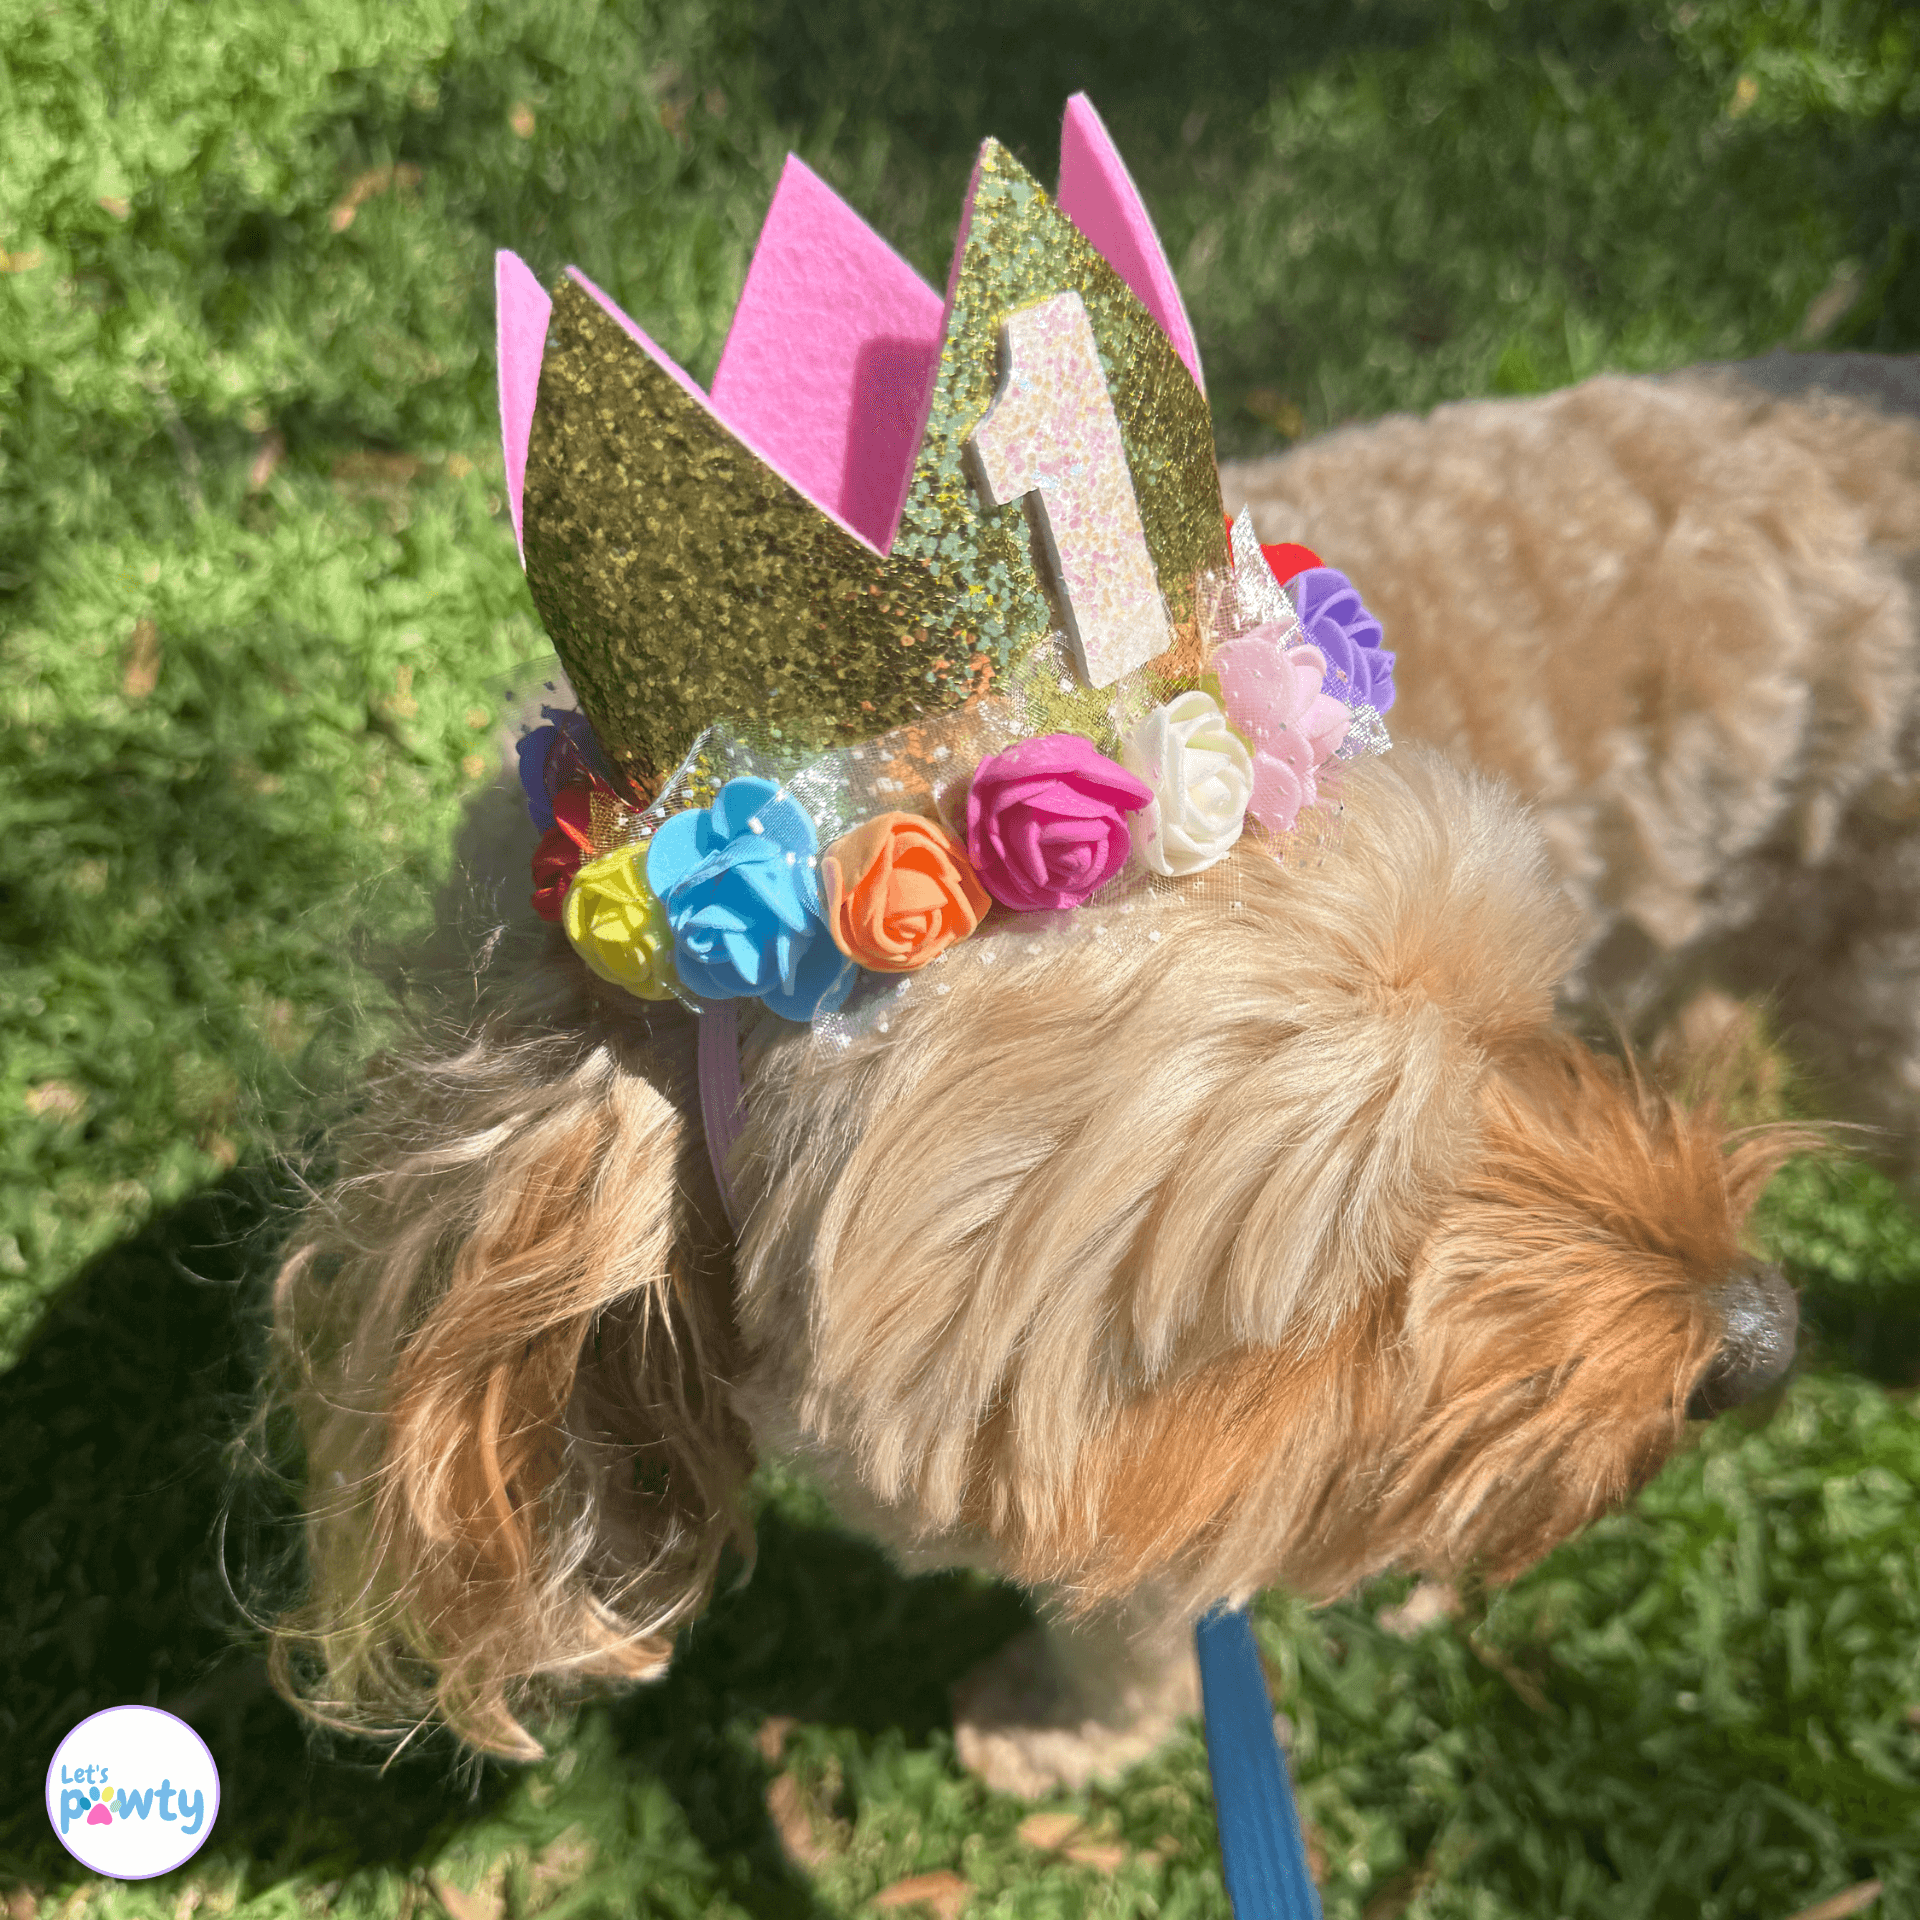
[(132, 1792)]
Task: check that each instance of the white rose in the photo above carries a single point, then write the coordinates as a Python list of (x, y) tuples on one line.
[(1202, 778)]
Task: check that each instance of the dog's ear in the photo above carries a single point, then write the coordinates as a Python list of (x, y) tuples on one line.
[(504, 1343), (1561, 1311)]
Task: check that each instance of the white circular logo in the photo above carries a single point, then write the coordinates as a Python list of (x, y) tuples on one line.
[(132, 1792)]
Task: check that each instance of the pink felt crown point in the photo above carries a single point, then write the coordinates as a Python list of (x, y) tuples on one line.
[(1098, 195), (829, 363), (828, 370), (521, 308)]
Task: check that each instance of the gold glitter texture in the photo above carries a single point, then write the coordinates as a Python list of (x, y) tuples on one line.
[(1019, 251), (1051, 438), (684, 582)]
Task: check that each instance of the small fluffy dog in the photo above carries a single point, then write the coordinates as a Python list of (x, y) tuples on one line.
[(1286, 1243), (1682, 617)]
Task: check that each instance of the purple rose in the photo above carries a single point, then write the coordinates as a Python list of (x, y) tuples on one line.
[(1359, 669), (1047, 822), (554, 756)]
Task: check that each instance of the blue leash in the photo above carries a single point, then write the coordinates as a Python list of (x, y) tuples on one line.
[(1260, 1846)]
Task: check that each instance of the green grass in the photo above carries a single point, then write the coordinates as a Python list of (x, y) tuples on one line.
[(257, 598)]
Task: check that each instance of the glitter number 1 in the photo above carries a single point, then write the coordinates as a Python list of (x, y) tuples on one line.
[(1051, 434)]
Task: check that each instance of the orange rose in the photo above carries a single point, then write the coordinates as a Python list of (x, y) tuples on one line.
[(899, 891)]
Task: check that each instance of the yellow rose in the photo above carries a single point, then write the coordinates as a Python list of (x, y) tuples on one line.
[(618, 926)]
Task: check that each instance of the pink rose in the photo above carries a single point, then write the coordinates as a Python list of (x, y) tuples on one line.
[(1047, 822), (1272, 694), (1283, 783)]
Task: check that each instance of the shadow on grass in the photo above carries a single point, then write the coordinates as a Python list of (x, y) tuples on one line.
[(115, 1425), (829, 1633), (115, 1428)]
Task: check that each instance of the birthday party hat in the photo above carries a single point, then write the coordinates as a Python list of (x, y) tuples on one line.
[(901, 538)]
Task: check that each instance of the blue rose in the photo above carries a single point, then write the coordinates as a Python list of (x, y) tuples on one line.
[(742, 898), (1359, 669)]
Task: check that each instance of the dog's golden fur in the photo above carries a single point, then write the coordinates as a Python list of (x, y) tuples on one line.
[(1682, 617), (1524, 1371), (1288, 1245)]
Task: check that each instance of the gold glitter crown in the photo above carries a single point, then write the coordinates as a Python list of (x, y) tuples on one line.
[(685, 551)]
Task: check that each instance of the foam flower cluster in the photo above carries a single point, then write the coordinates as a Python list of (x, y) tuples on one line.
[(561, 754), (619, 926), (566, 843), (1047, 822), (1200, 776), (738, 900)]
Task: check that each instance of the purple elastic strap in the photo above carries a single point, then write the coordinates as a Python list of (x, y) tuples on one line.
[(723, 1108)]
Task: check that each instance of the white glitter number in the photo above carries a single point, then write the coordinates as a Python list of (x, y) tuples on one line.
[(1051, 434)]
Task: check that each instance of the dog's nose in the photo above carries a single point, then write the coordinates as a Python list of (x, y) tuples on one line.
[(1762, 1317)]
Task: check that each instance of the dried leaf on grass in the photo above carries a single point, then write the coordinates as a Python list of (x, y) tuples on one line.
[(1398, 1894), (944, 1894), (1854, 1899), (1066, 1834), (1049, 1831), (1517, 1677), (557, 1866), (140, 671), (1319, 1860), (54, 1097), (370, 470), (1429, 1603), (808, 1837), (368, 186), (269, 450), (488, 1901)]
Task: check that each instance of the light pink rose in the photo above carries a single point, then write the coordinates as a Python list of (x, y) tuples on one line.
[(1272, 694)]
